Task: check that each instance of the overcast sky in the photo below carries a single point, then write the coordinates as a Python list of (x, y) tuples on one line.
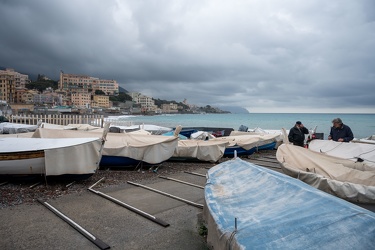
[(263, 55)]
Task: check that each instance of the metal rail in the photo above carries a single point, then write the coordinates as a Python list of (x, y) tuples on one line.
[(131, 208), (195, 173), (168, 195), (184, 182)]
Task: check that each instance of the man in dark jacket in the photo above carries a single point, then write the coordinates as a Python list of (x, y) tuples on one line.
[(297, 134), (340, 132)]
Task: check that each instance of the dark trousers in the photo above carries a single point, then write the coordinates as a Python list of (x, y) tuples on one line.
[(298, 144)]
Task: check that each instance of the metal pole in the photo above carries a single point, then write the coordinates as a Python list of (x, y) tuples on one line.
[(77, 227), (131, 208)]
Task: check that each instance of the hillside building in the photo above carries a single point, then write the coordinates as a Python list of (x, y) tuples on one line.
[(101, 101), (169, 108), (10, 80), (147, 103)]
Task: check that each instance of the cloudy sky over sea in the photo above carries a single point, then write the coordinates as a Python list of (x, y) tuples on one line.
[(263, 55)]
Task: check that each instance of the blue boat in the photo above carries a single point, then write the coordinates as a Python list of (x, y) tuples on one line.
[(250, 207)]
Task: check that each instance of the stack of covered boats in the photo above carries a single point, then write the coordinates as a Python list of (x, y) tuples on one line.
[(123, 149)]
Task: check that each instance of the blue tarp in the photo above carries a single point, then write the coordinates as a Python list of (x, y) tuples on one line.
[(275, 211)]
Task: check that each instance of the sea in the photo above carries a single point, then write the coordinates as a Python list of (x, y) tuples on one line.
[(362, 125)]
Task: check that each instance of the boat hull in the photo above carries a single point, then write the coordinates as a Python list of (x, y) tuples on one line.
[(22, 163), (118, 161)]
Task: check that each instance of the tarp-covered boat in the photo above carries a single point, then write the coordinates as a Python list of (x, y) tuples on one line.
[(16, 128), (248, 144), (210, 150), (345, 178), (250, 207), (49, 157)]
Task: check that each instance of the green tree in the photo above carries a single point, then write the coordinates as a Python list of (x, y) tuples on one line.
[(41, 84), (122, 97), (99, 92)]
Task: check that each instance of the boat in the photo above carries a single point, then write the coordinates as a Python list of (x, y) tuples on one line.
[(247, 144), (123, 149), (215, 131), (16, 128), (153, 129), (251, 207), (347, 178), (72, 158), (199, 150)]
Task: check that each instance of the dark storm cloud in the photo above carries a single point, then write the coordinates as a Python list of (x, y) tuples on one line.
[(263, 55)]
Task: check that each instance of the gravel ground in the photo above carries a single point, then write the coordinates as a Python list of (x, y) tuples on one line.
[(25, 191), (15, 192)]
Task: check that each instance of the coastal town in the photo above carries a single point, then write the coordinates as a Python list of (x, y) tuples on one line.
[(83, 94)]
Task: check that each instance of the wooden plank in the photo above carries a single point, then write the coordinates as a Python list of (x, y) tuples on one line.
[(21, 155)]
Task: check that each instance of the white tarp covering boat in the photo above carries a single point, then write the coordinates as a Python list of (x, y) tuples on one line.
[(209, 150), (152, 149), (154, 129), (50, 157), (202, 135), (16, 128), (250, 207), (20, 135), (56, 126), (345, 150), (345, 178), (248, 141)]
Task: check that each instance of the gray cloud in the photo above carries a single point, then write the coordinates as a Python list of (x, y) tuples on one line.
[(266, 56)]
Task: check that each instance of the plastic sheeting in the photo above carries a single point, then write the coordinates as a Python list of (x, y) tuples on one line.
[(152, 149), (275, 211), (202, 150), (61, 156), (353, 181)]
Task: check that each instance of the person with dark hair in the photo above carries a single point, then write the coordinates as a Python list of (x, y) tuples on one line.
[(297, 134), (340, 132)]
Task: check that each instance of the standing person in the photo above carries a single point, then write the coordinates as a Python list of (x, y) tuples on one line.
[(340, 132), (297, 134)]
